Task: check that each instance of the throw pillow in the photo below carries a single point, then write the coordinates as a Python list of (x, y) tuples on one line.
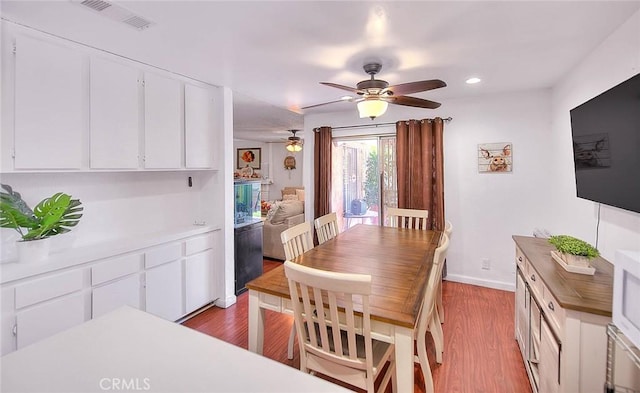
[(290, 197), (286, 210), (274, 208), (300, 194)]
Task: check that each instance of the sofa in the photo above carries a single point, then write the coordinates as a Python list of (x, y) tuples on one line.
[(282, 215)]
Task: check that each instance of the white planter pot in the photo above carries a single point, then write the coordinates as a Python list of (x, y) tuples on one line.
[(576, 260), (33, 251)]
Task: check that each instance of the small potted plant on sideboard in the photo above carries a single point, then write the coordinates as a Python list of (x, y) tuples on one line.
[(573, 251), (52, 216)]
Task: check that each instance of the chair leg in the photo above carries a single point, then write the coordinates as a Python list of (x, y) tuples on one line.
[(424, 364), (439, 307), (438, 337), (292, 336)]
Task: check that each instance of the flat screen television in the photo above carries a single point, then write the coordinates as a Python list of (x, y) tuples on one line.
[(606, 146)]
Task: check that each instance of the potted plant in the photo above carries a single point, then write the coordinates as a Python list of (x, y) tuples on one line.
[(52, 216), (574, 251)]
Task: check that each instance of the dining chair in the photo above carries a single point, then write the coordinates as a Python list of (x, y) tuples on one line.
[(408, 218), (334, 338), (295, 240), (428, 319), (326, 227), (448, 230)]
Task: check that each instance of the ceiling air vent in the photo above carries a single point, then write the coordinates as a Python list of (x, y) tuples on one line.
[(116, 12)]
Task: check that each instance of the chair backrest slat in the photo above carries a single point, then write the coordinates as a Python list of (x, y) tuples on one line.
[(296, 240), (408, 218), (326, 227)]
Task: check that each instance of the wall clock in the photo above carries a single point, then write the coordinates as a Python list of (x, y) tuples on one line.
[(289, 162)]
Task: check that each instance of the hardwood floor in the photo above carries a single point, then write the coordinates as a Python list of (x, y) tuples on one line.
[(481, 354)]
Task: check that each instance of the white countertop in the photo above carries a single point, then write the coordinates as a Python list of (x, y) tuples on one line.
[(131, 348), (12, 271)]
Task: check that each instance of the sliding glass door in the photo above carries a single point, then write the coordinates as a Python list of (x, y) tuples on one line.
[(363, 179)]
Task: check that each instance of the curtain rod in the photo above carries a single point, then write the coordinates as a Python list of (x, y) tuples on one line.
[(446, 120)]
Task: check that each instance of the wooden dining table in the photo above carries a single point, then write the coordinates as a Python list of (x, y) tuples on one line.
[(399, 262)]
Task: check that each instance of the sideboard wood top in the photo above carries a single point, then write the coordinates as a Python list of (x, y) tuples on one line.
[(574, 291)]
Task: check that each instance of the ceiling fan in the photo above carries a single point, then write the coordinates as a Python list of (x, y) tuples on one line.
[(294, 143), (376, 94)]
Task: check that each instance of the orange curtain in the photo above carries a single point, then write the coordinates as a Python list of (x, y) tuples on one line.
[(420, 164), (322, 172)]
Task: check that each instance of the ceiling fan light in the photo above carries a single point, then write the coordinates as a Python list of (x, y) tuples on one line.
[(372, 108), (294, 147)]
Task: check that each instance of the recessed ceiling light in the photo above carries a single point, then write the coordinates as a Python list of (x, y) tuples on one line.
[(473, 80)]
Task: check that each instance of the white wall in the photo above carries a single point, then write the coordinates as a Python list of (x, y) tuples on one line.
[(615, 60), (485, 209)]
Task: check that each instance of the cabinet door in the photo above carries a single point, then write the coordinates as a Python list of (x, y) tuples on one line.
[(123, 292), (162, 125), (49, 318), (549, 367), (164, 291), (114, 115), (522, 313), (199, 128), (49, 106), (199, 280)]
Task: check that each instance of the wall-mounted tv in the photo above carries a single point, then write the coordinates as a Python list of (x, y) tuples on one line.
[(606, 146)]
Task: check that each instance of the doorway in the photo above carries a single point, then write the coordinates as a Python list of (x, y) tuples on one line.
[(363, 179)]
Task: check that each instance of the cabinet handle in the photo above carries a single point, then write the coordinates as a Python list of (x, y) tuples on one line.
[(550, 305), (15, 330), (520, 259), (533, 277)]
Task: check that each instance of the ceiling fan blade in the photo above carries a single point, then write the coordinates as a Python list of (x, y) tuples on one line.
[(415, 87), (324, 103), (411, 101), (337, 86)]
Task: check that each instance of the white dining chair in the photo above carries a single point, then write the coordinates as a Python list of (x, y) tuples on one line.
[(334, 339), (295, 240), (428, 319), (326, 227), (408, 218), (448, 230)]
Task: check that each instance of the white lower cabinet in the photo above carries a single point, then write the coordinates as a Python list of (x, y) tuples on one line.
[(199, 280), (123, 292), (169, 279), (49, 318), (163, 291)]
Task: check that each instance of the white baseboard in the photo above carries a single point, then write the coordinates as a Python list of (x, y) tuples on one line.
[(224, 303), (505, 286)]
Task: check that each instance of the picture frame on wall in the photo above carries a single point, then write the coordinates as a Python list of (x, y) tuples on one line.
[(249, 157), (495, 157)]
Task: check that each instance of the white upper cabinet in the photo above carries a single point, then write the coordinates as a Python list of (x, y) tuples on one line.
[(162, 129), (114, 117), (49, 106), (199, 127)]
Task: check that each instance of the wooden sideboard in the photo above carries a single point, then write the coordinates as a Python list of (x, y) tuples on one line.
[(561, 320)]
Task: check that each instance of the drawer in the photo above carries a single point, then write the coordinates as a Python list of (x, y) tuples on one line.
[(554, 312), (42, 289), (521, 260), (163, 254), (115, 268), (535, 282), (198, 244)]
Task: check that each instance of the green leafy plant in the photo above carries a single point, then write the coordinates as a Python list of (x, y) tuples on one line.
[(571, 245), (371, 181), (52, 216)]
